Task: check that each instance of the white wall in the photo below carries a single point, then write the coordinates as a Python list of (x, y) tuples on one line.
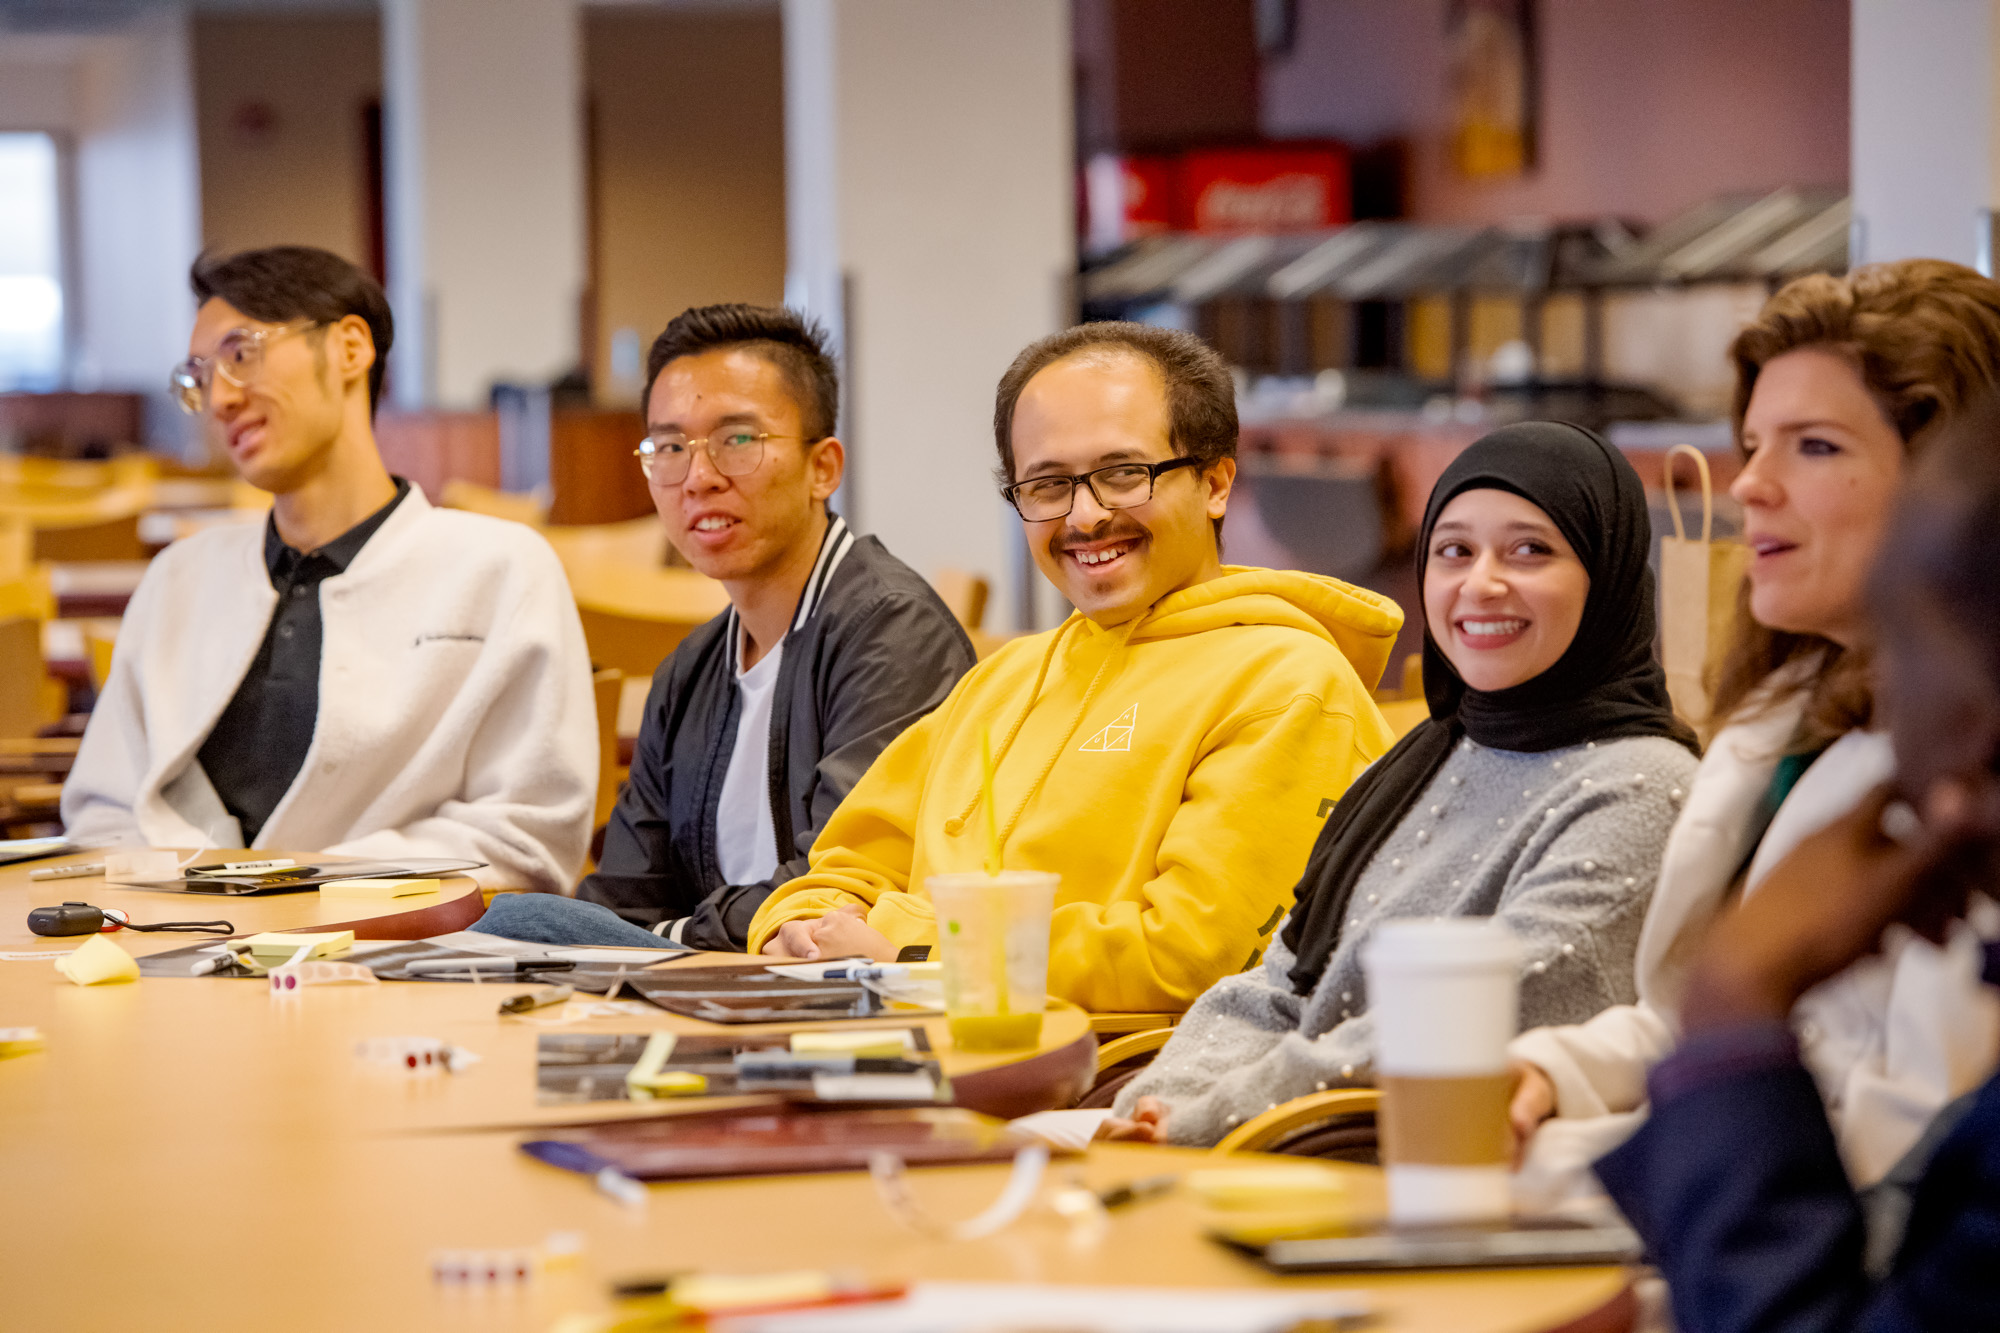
[(1926, 125), (930, 161), (482, 128), (123, 103)]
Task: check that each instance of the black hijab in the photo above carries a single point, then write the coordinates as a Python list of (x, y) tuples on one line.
[(1605, 686)]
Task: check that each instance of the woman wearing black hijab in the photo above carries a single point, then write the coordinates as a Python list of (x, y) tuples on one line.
[(1540, 791)]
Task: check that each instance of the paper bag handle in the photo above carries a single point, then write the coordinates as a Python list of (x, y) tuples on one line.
[(1707, 492)]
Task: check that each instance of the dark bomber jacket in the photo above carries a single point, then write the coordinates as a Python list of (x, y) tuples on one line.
[(871, 649)]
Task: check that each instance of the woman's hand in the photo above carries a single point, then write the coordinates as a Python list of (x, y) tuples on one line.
[(1534, 1101), (1147, 1125)]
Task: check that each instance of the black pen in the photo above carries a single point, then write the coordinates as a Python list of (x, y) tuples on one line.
[(1134, 1191)]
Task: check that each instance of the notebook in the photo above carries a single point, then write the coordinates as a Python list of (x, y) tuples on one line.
[(32, 849), (761, 1142), (592, 1067), (747, 995)]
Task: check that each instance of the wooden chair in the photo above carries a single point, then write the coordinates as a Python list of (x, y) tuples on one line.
[(111, 539), (531, 509), (1134, 1038), (100, 639), (608, 686), (1340, 1121), (1403, 708), (965, 594)]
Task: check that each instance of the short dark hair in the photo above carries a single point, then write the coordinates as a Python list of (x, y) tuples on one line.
[(1201, 393), (286, 282), (792, 342)]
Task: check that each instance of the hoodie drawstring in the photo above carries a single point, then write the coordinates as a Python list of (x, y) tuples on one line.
[(1120, 637)]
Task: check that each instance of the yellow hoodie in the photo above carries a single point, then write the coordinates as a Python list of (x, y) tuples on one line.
[(1174, 771)]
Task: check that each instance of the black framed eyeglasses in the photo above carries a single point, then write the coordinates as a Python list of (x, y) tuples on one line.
[(1120, 486), (667, 458)]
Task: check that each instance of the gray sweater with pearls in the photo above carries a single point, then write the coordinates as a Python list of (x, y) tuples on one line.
[(1563, 846)]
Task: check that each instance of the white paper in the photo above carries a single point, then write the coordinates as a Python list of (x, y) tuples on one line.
[(636, 957), (816, 971), (1068, 1131), (974, 1307), (874, 1088)]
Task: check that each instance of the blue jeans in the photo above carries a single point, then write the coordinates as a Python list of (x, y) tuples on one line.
[(546, 918)]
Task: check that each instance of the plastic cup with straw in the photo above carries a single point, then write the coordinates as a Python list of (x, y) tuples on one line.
[(993, 935)]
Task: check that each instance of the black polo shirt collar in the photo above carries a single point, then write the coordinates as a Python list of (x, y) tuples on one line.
[(284, 561)]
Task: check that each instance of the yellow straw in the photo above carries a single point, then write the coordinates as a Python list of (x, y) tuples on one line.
[(993, 865), (986, 799)]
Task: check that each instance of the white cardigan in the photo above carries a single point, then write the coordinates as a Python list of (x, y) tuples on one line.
[(1890, 1040), (455, 709)]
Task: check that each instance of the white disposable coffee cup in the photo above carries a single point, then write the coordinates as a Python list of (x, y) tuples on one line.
[(1444, 995)]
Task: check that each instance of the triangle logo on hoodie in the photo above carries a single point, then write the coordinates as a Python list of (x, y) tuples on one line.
[(1117, 737)]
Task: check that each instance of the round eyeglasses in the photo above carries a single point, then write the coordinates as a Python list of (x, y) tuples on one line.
[(237, 360), (666, 458), (1120, 486)]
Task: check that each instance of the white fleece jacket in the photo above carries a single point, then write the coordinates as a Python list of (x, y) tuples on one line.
[(1890, 1040), (455, 709)]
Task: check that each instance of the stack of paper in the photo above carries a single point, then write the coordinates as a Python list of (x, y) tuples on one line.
[(976, 1307), (274, 947)]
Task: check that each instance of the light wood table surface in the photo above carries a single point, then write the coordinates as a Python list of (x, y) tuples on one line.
[(456, 904), (196, 1154)]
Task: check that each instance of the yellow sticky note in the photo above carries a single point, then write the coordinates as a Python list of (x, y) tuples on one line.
[(379, 888), (861, 1045), (277, 946), (1254, 1187), (96, 962), (20, 1041)]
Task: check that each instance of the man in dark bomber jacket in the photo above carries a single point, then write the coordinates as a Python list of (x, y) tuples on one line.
[(761, 720)]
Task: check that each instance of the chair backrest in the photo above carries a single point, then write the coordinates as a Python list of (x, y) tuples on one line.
[(531, 509), (109, 539), (17, 548), (965, 594), (608, 686), (100, 638), (21, 676), (635, 645)]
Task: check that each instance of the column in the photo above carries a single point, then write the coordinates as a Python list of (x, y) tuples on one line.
[(930, 205), (1926, 129), (484, 194)]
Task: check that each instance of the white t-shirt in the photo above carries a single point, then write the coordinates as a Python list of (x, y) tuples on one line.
[(745, 841)]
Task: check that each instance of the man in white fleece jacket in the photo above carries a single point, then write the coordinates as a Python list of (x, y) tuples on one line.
[(360, 674)]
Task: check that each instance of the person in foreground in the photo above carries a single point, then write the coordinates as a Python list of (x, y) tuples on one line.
[(1840, 382), (360, 674), (1736, 1179), (1169, 750), (1540, 791), (761, 721)]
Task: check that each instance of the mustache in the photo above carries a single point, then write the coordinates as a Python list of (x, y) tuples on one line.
[(1115, 528)]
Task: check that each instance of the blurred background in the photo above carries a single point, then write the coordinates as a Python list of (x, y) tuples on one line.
[(1403, 221)]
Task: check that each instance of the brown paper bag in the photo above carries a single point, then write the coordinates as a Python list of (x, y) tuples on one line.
[(1699, 580)]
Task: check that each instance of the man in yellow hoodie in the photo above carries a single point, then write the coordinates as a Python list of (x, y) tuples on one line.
[(1170, 750)]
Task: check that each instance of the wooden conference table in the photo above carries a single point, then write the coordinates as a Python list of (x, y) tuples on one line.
[(197, 1154)]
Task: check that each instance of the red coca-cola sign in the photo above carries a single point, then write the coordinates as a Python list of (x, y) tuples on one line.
[(1273, 188)]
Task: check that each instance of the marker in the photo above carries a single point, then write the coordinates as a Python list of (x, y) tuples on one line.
[(69, 872), (432, 967), (783, 1064), (621, 1187), (539, 998), (881, 971), (1133, 1191), (211, 965)]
